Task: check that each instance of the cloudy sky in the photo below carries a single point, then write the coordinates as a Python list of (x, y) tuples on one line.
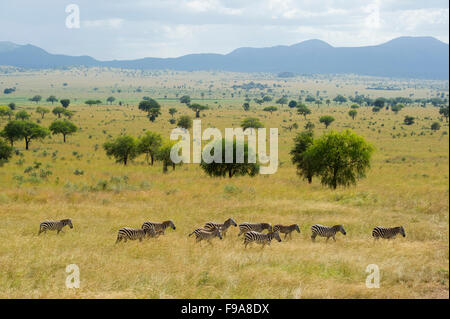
[(129, 29)]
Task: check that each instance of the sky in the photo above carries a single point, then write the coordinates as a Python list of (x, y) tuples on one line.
[(130, 29)]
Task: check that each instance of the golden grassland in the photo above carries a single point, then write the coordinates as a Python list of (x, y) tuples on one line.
[(406, 185)]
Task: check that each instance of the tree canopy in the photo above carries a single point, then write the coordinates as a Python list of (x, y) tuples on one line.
[(123, 149), (326, 120), (149, 145), (251, 122), (63, 127)]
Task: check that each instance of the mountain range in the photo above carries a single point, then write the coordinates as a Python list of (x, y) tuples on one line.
[(403, 57)]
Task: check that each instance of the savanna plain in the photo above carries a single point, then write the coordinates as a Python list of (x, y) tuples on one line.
[(407, 184)]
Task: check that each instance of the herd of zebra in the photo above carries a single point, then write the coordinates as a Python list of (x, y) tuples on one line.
[(253, 232)]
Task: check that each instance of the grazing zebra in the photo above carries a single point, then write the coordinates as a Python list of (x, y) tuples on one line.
[(257, 227), (286, 230), (54, 225), (159, 227), (387, 233), (260, 238), (223, 227), (205, 234), (325, 231), (131, 234)]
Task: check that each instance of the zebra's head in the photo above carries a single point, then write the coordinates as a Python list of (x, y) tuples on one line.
[(342, 230), (67, 222), (231, 221), (297, 228), (171, 224), (402, 231), (276, 235)]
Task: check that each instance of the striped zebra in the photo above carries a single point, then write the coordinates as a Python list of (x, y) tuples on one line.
[(223, 227), (257, 227), (286, 230), (387, 233), (260, 238), (205, 234), (131, 234), (54, 225), (326, 231), (159, 228)]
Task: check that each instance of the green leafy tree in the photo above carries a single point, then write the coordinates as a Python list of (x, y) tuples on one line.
[(396, 108), (270, 109), (27, 130), (149, 145), (185, 121), (408, 120), (197, 108), (63, 127), (230, 169), (22, 115), (163, 155), (326, 120), (65, 103), (435, 126), (172, 111), (339, 159), (42, 111), (185, 99), (152, 108), (12, 106), (444, 112), (379, 102), (355, 106), (36, 98), (110, 99), (251, 122), (246, 106), (292, 104), (309, 126), (123, 149), (340, 99), (68, 113), (282, 101), (352, 114), (302, 109), (6, 152), (93, 102), (305, 167), (267, 98), (6, 111), (52, 99), (58, 111)]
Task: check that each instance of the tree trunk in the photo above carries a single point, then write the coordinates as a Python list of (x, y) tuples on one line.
[(309, 179), (151, 157), (165, 167), (197, 114), (64, 137), (173, 166), (230, 174), (27, 142), (125, 159)]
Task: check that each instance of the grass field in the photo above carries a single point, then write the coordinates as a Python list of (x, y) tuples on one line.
[(408, 184)]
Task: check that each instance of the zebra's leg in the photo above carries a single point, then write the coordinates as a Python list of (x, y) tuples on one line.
[(334, 238), (118, 239), (313, 237), (240, 233), (327, 239), (40, 231), (285, 235)]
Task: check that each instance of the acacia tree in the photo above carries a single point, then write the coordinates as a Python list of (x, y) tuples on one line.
[(110, 99), (36, 98), (58, 111), (444, 112), (223, 169), (27, 130), (352, 114), (185, 121), (152, 108), (305, 167), (292, 104), (123, 149), (149, 145), (6, 111), (270, 109), (327, 120), (6, 152), (197, 108), (282, 101), (163, 155), (42, 111), (172, 111), (65, 103), (302, 109), (52, 99), (251, 122), (22, 115), (185, 99), (63, 127), (246, 106), (339, 158)]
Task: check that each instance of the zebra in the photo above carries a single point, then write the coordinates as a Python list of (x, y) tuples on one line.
[(326, 231), (387, 233), (159, 228), (257, 227), (205, 234), (132, 234), (223, 227), (286, 230), (260, 238), (54, 225)]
